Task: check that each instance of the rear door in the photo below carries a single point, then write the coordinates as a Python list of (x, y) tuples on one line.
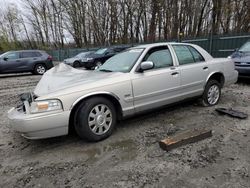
[(10, 63), (28, 59), (193, 68), (158, 86)]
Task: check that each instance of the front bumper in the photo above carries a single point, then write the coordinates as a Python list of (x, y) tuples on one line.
[(68, 63), (88, 64), (243, 70), (41, 125)]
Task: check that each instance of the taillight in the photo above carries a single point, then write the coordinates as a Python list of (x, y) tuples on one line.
[(50, 58)]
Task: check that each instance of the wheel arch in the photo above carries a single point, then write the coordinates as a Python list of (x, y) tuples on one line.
[(218, 76), (108, 95)]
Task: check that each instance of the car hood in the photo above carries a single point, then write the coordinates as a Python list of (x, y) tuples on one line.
[(241, 56), (64, 77)]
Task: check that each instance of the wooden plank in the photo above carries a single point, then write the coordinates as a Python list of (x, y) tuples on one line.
[(184, 138)]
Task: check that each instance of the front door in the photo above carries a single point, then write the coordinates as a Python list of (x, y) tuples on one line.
[(158, 86), (10, 63)]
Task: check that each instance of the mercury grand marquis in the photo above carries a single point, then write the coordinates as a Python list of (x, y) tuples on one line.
[(139, 79)]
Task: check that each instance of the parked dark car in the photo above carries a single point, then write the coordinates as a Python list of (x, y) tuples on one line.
[(100, 56), (35, 61), (241, 58), (77, 61)]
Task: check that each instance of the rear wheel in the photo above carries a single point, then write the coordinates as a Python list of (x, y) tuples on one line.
[(212, 93), (40, 69), (95, 119)]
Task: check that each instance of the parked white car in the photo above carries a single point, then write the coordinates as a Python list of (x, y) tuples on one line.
[(139, 79)]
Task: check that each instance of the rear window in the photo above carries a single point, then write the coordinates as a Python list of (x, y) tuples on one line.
[(30, 54), (187, 54), (183, 54), (197, 56)]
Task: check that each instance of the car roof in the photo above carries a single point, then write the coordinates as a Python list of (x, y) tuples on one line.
[(26, 51), (160, 44)]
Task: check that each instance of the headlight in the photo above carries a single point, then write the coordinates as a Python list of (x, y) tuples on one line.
[(229, 57), (90, 59), (45, 106)]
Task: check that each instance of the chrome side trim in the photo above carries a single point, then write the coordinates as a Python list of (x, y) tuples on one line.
[(94, 93)]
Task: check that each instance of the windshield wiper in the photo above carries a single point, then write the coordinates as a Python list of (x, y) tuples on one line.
[(105, 70)]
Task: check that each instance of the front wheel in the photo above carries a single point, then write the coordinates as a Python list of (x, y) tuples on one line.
[(76, 64), (95, 119), (212, 93)]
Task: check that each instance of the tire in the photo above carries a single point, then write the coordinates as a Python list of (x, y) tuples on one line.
[(40, 69), (76, 64), (95, 119), (98, 64), (212, 93)]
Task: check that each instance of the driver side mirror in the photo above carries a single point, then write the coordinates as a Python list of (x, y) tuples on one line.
[(5, 58), (146, 65)]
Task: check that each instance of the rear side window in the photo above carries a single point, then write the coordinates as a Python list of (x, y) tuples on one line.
[(30, 54), (160, 56), (197, 56), (183, 54)]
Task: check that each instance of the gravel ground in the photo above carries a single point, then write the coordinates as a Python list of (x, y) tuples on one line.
[(131, 157)]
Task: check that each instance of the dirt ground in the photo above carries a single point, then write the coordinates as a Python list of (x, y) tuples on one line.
[(131, 157)]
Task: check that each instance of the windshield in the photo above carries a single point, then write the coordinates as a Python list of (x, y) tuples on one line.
[(122, 62), (101, 51), (245, 47), (4, 54)]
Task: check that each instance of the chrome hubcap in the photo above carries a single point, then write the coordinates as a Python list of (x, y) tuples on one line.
[(100, 119), (41, 69), (213, 94)]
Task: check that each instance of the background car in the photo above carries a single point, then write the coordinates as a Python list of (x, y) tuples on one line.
[(35, 61), (77, 60), (100, 56), (241, 58)]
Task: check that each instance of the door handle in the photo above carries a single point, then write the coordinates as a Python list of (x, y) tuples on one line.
[(174, 73), (205, 68)]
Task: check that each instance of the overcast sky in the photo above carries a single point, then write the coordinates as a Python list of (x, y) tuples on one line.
[(5, 3)]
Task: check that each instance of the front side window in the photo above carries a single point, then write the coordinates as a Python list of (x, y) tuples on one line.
[(160, 56), (183, 54), (11, 55)]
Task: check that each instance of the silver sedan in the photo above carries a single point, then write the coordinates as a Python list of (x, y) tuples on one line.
[(141, 78)]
